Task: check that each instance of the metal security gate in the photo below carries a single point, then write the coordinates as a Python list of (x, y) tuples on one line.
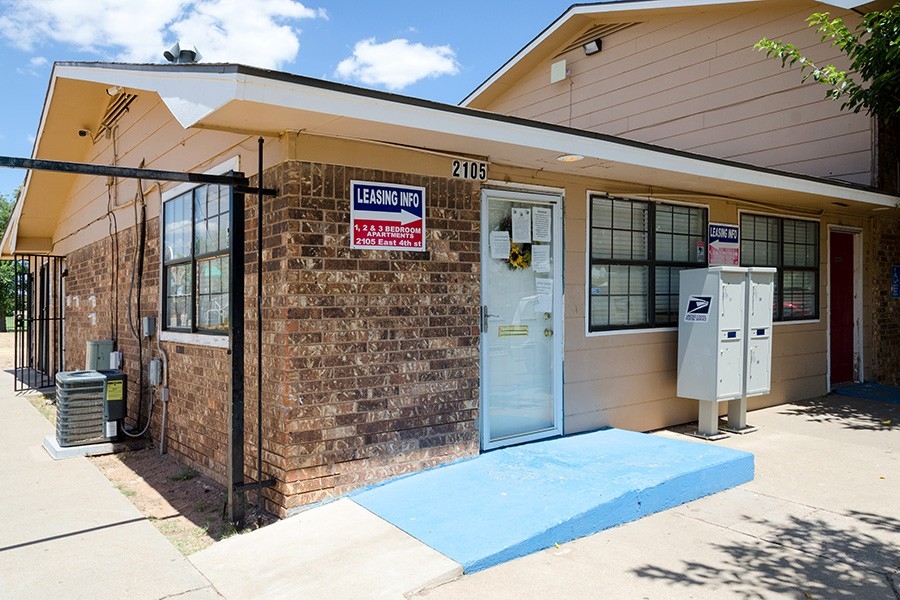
[(39, 319)]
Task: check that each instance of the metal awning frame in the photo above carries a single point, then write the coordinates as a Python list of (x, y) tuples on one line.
[(238, 181), (241, 186)]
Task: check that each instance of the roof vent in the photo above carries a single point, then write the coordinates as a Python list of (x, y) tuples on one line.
[(179, 54), (594, 34), (117, 107)]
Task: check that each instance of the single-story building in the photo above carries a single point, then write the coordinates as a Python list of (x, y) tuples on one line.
[(436, 280)]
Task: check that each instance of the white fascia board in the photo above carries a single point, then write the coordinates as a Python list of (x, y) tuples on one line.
[(190, 96), (188, 90), (8, 244), (673, 162), (589, 9), (536, 136)]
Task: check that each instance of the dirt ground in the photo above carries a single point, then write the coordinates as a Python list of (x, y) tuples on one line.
[(187, 507)]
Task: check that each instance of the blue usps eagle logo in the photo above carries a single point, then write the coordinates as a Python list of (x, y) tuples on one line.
[(697, 309)]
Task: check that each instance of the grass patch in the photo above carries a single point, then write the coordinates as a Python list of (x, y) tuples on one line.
[(127, 492), (45, 404), (184, 474)]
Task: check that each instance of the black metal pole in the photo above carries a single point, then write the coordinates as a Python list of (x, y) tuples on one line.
[(236, 334), (115, 171), (235, 180), (259, 325)]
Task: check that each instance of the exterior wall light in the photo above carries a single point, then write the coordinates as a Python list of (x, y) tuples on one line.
[(593, 47), (567, 158)]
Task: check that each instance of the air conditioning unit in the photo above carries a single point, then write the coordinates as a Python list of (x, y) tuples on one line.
[(90, 406)]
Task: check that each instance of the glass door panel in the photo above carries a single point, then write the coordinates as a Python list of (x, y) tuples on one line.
[(521, 318)]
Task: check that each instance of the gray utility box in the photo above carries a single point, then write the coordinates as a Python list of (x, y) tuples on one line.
[(725, 340), (90, 406), (96, 355)]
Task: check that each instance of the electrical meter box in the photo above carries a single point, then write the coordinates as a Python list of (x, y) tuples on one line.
[(97, 355)]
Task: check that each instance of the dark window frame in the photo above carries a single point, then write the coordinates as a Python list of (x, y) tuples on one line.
[(655, 266), (193, 259), (785, 308)]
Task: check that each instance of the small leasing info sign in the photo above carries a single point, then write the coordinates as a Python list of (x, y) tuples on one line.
[(724, 244), (387, 216)]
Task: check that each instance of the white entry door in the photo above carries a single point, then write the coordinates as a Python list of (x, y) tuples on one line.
[(521, 320)]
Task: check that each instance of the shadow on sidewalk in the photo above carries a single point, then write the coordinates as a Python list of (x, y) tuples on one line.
[(849, 412), (808, 557)]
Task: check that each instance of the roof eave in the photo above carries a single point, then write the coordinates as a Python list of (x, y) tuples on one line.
[(335, 109)]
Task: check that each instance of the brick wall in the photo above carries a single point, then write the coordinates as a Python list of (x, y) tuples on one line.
[(884, 253), (97, 307), (370, 358), (101, 279)]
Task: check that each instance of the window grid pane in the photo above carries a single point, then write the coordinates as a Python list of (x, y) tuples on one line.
[(178, 297), (196, 242), (210, 221), (637, 250), (177, 229), (212, 294), (666, 297), (792, 247)]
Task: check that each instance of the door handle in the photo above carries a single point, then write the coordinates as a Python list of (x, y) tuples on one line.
[(485, 315), (548, 332)]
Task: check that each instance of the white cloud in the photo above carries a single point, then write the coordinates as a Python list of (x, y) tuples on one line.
[(34, 66), (396, 64), (261, 33)]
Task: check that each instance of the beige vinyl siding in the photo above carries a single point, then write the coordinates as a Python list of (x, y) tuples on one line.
[(163, 145), (628, 379), (691, 80)]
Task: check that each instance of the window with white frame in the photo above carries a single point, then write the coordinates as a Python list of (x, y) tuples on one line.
[(637, 248), (196, 242), (792, 247)]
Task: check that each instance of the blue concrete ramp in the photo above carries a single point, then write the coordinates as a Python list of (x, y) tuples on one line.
[(512, 502)]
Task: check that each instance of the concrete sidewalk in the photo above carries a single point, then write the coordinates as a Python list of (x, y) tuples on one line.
[(428, 528), (821, 519), (66, 532)]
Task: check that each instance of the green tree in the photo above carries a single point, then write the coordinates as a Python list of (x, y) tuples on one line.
[(7, 268), (873, 47)]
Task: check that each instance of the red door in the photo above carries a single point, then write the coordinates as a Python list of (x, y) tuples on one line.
[(841, 303)]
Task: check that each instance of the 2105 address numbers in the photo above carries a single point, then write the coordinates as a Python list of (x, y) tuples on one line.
[(469, 169)]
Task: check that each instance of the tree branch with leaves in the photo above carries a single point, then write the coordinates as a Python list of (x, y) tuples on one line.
[(873, 47)]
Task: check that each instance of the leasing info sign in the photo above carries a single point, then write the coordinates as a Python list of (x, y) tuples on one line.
[(387, 216)]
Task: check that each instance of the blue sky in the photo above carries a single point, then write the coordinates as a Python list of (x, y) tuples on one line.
[(421, 48)]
